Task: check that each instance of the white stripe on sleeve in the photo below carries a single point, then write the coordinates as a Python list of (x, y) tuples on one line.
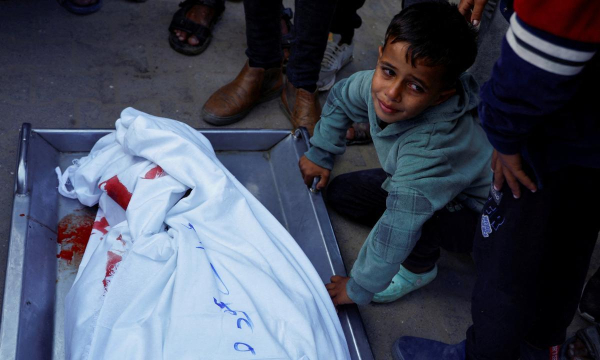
[(539, 61), (546, 46)]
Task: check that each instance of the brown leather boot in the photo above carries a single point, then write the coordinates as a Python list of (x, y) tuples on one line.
[(301, 107), (233, 101)]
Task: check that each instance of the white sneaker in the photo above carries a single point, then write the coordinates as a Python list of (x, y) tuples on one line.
[(336, 57)]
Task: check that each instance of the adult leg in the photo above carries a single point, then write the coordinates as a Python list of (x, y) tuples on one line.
[(511, 252), (346, 20), (573, 229), (263, 33), (339, 48), (299, 100), (311, 29), (261, 78), (507, 253)]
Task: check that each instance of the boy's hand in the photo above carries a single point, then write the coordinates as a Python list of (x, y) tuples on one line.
[(310, 170), (509, 167), (337, 290), (472, 10)]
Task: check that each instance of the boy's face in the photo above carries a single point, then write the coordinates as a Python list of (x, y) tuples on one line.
[(401, 91)]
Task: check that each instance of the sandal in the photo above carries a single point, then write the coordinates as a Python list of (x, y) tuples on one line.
[(590, 337), (203, 33), (81, 10), (362, 134)]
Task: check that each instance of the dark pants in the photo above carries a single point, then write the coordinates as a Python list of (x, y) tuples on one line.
[(532, 255), (312, 20), (359, 196), (345, 18)]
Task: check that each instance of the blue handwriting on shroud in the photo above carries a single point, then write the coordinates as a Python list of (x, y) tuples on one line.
[(248, 347), (238, 346)]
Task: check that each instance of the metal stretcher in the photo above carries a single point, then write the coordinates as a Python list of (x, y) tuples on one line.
[(38, 277)]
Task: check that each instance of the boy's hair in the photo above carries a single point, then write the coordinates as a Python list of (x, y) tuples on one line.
[(437, 35)]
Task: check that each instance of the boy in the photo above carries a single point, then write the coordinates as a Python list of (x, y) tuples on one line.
[(434, 155)]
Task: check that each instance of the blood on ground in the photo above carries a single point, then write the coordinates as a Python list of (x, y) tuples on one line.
[(73, 234)]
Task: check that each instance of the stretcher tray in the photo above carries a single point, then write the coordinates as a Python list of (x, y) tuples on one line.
[(39, 274)]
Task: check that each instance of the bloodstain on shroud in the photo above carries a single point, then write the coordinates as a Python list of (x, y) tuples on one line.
[(155, 173), (116, 191), (112, 263), (120, 238), (101, 225), (74, 231)]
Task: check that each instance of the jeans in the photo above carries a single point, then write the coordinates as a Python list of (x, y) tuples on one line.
[(531, 256), (312, 22), (311, 29), (359, 196)]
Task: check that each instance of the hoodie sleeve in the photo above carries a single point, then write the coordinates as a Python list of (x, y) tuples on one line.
[(346, 103), (545, 50)]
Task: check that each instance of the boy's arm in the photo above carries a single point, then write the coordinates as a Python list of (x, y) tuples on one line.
[(347, 102), (423, 183), (539, 71), (388, 244)]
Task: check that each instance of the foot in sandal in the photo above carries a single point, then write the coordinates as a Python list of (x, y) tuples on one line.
[(358, 134), (192, 25)]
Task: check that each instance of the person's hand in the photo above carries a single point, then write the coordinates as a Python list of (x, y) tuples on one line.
[(310, 170), (509, 168), (337, 290), (472, 10)]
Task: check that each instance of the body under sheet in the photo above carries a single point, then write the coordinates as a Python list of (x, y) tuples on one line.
[(210, 275)]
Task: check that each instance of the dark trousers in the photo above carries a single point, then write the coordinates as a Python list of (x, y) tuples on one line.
[(532, 255), (311, 29), (345, 18), (312, 20), (359, 196)]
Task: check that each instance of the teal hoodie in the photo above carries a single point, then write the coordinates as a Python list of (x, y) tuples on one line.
[(440, 155)]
